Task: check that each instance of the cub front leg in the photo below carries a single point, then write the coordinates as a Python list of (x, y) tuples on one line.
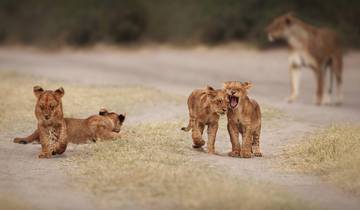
[(256, 144), (62, 142), (212, 130), (234, 138), (45, 145), (196, 134), (246, 144)]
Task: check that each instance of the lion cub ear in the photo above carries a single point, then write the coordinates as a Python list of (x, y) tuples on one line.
[(37, 91), (103, 112), (210, 91), (247, 85), (122, 117), (60, 92)]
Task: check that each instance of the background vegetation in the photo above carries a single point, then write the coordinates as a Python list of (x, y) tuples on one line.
[(85, 22)]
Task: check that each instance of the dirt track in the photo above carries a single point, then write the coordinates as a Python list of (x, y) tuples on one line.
[(179, 71)]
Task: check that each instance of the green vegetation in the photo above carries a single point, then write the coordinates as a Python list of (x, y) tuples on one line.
[(84, 22), (333, 153), (153, 165)]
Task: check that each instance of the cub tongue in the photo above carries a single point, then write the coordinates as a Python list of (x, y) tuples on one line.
[(233, 102)]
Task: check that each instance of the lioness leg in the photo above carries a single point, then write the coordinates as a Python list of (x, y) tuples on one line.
[(337, 70), (295, 75), (212, 130), (319, 86), (247, 143), (197, 132), (33, 137), (234, 138), (256, 144)]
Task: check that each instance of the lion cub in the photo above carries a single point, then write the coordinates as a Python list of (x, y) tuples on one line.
[(205, 107), (244, 116), (51, 123), (104, 126)]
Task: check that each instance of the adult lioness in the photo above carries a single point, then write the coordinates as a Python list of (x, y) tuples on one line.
[(104, 126), (205, 107), (244, 116), (312, 47)]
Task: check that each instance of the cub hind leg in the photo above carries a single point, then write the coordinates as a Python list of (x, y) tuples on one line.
[(35, 136), (197, 132)]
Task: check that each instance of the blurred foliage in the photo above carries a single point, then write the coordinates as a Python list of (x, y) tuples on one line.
[(84, 22)]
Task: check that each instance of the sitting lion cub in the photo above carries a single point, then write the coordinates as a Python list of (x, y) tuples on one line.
[(205, 107), (51, 123), (244, 116), (104, 126)]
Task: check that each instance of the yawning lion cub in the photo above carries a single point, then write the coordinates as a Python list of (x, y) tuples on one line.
[(244, 116)]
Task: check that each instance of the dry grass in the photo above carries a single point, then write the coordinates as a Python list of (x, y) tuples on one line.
[(18, 101), (155, 167), (334, 153), (8, 203)]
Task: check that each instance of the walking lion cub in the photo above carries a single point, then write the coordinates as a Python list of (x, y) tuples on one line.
[(205, 107), (244, 117)]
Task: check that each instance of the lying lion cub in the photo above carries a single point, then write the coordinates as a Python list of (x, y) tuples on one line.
[(104, 126), (205, 107), (244, 116)]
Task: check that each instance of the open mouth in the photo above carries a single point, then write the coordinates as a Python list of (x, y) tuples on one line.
[(116, 130), (233, 101)]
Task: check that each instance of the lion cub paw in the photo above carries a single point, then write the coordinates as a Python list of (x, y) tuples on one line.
[(44, 155), (211, 152), (234, 154), (258, 154), (245, 154), (198, 144)]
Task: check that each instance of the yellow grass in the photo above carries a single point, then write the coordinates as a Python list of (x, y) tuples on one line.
[(334, 153), (18, 101), (154, 166)]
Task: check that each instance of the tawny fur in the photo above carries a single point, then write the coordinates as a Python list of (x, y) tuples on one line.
[(104, 126), (316, 48), (51, 123), (244, 117), (205, 107)]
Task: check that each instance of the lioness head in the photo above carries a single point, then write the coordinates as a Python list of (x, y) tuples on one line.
[(116, 119), (218, 100), (236, 91), (281, 27), (48, 107)]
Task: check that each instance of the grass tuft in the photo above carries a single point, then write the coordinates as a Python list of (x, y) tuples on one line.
[(334, 153)]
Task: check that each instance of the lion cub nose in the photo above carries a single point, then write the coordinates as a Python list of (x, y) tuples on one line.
[(47, 117)]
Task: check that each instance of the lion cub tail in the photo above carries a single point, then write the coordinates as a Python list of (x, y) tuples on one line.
[(189, 126)]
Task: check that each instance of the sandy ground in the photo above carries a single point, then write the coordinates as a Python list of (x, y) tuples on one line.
[(179, 71)]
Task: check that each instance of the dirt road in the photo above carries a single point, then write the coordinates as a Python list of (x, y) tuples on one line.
[(179, 71)]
